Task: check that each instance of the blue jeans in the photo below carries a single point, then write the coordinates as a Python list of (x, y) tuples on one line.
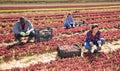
[(67, 25), (88, 47)]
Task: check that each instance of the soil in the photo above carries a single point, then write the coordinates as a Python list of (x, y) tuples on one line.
[(47, 57), (26, 61)]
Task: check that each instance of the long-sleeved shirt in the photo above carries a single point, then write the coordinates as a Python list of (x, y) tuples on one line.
[(91, 38), (68, 21), (18, 28)]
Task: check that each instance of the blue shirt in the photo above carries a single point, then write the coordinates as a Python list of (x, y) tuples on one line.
[(68, 21), (91, 38)]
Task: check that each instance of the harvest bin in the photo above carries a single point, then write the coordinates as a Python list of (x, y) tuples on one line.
[(43, 34), (69, 50)]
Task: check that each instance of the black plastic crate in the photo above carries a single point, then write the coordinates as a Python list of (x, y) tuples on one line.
[(69, 51), (44, 34)]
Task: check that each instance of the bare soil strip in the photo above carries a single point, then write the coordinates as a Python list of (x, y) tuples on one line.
[(47, 57), (26, 61)]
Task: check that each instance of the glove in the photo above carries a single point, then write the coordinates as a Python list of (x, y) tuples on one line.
[(99, 48), (28, 32), (22, 33), (93, 48), (100, 45)]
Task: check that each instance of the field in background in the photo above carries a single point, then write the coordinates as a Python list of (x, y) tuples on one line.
[(55, 1)]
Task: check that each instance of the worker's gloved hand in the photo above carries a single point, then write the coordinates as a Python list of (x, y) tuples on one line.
[(93, 48), (28, 32), (99, 47), (22, 33), (73, 25)]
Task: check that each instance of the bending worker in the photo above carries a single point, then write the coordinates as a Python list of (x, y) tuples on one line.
[(69, 21), (94, 42), (23, 28)]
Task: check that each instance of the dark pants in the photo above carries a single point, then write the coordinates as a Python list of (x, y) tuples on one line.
[(30, 36)]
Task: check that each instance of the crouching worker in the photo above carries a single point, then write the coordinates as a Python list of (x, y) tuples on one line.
[(69, 21), (23, 28), (94, 42)]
